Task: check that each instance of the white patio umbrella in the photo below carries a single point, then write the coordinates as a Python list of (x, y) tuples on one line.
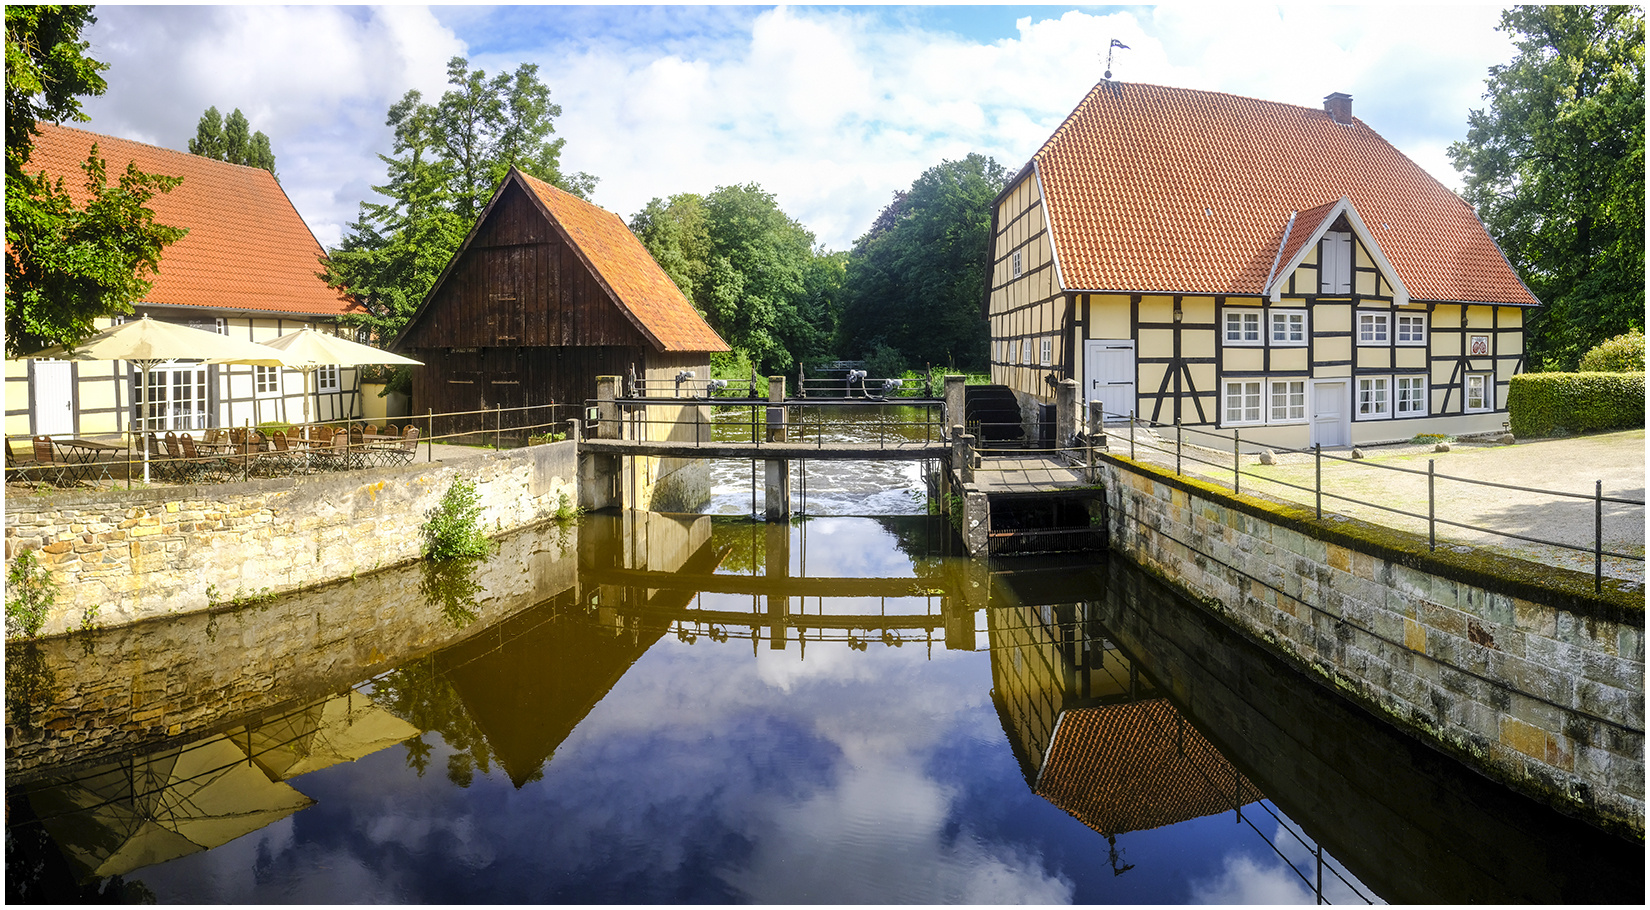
[(147, 343), (307, 350)]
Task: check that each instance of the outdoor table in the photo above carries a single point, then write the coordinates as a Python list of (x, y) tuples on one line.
[(80, 455)]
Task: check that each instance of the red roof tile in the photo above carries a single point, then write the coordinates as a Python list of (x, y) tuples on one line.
[(1151, 188), (247, 248), (653, 302)]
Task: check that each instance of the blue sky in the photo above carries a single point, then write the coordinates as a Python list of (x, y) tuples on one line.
[(831, 108)]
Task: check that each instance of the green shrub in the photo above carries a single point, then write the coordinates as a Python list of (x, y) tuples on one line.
[(884, 362), (1548, 404), (454, 526), (1621, 354), (31, 591)]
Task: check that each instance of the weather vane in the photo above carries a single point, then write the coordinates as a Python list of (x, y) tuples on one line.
[(1115, 44)]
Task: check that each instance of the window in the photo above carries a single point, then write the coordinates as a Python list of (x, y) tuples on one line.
[(220, 325), (1335, 263), (1288, 400), (1412, 329), (1288, 327), (119, 320), (1242, 327), (1016, 264), (1372, 397), (1372, 328), (1411, 396), (266, 380), (175, 398), (1046, 350), (1243, 401), (326, 379), (1480, 392)]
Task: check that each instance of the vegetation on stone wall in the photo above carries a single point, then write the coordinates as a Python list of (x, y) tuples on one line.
[(1554, 404), (30, 593), (454, 526)]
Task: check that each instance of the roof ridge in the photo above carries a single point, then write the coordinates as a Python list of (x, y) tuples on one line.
[(150, 145)]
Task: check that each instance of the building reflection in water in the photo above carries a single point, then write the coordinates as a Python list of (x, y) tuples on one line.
[(122, 815), (1097, 738)]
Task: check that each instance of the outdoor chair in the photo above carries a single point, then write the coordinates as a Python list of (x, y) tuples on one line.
[(46, 465), (288, 458), (179, 465), (358, 453), (408, 447), (161, 466), (333, 456), (196, 466), (17, 466)]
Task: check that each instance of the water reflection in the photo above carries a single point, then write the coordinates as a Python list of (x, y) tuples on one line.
[(705, 710)]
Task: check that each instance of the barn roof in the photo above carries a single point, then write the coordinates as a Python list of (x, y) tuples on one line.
[(247, 248), (643, 290), (1157, 189)]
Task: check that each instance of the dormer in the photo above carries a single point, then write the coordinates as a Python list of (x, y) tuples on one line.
[(1325, 239)]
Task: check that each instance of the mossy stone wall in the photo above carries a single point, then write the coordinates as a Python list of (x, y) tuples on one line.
[(1519, 670)]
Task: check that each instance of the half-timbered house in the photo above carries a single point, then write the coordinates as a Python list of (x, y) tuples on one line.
[(546, 293), (1247, 266), (249, 267)]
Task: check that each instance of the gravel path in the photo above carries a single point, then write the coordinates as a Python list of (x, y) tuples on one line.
[(1562, 466)]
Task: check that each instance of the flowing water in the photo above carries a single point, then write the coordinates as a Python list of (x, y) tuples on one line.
[(651, 709)]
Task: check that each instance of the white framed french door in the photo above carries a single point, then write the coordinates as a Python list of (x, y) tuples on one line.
[(174, 399)]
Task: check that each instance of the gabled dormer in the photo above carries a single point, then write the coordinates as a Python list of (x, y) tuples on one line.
[(1321, 249)]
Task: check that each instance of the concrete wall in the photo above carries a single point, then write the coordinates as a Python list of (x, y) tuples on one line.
[(138, 554), (1517, 669)]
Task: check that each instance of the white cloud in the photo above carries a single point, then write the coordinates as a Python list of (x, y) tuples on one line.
[(832, 111), (1243, 881)]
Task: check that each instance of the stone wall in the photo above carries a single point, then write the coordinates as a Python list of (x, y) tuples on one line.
[(1520, 670), (132, 555)]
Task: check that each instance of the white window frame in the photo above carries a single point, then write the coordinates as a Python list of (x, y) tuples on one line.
[(1045, 350), (1415, 333), (1016, 264), (328, 379), (1335, 264), (1407, 389), (1251, 402), (1237, 324), (220, 325), (1374, 328), (266, 381), (1282, 319), (182, 398), (1293, 412), (1486, 382), (1372, 398)]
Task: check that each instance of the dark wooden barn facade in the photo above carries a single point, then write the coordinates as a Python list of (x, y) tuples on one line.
[(547, 293)]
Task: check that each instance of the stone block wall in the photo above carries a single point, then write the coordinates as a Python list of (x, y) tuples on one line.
[(1517, 669), (133, 555)]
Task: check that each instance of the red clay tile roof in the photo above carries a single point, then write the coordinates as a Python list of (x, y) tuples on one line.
[(644, 291), (247, 248), (1137, 766), (1151, 188)]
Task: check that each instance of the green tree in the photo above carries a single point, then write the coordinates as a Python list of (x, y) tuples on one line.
[(229, 141), (447, 159), (1555, 168), (915, 279), (752, 271), (67, 263)]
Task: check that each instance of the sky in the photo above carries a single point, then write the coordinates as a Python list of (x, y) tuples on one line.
[(830, 108)]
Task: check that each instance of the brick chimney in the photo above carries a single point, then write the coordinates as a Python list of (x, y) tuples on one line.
[(1339, 106)]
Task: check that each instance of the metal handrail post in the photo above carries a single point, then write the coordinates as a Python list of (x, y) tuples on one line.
[(1237, 465), (1131, 434), (1598, 536), (1177, 445), (429, 428), (1317, 452), (1432, 515)]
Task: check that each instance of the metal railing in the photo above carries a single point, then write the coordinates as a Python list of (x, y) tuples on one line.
[(123, 462), (1184, 453), (715, 418)]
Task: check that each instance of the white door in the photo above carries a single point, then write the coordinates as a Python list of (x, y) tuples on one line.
[(1108, 375), (1331, 413), (53, 398)]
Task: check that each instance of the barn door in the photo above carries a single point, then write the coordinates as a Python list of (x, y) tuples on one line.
[(1108, 374)]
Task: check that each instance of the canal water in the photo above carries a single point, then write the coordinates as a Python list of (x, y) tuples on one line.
[(649, 708)]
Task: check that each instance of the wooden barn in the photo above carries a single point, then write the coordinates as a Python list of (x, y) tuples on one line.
[(547, 293)]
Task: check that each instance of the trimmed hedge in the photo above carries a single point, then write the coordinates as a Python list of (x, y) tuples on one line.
[(1548, 404)]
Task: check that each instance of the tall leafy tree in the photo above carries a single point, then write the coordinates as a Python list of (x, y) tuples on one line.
[(447, 159), (753, 271), (1555, 167), (915, 279), (67, 262), (230, 140)]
